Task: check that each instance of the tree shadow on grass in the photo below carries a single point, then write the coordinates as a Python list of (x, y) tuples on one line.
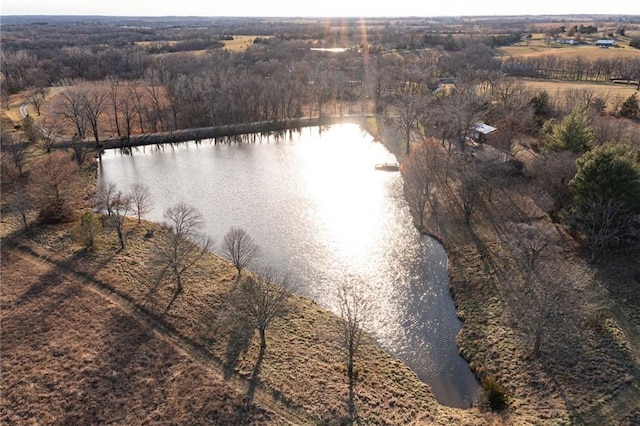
[(239, 341)]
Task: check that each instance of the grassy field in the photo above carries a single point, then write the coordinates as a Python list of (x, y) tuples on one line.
[(539, 45), (614, 93), (240, 43), (71, 355), (589, 52)]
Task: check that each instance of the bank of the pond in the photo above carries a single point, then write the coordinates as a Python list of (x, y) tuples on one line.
[(220, 132)]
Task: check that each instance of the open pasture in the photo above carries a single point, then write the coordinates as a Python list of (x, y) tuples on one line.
[(239, 43), (538, 47)]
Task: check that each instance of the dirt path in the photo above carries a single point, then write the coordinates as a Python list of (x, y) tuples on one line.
[(24, 110), (183, 345)]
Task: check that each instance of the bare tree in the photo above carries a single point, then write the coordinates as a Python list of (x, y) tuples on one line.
[(410, 95), (239, 248), (22, 203), (545, 295), (113, 96), (129, 110), (50, 128), (137, 98), (16, 150), (71, 109), (38, 97), (354, 310), (183, 247), (156, 96), (141, 199), (461, 109), (410, 108), (16, 68), (93, 104), (56, 188), (552, 302), (603, 222), (531, 244), (120, 206), (419, 172), (80, 150), (103, 197), (469, 191), (260, 300)]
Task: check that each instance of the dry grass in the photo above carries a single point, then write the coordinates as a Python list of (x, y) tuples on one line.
[(614, 94), (303, 368), (240, 43), (589, 52), (69, 356), (13, 112), (604, 89)]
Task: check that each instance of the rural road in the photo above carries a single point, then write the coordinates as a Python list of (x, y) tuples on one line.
[(24, 109)]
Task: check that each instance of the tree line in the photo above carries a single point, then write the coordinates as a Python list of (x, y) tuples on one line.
[(578, 68)]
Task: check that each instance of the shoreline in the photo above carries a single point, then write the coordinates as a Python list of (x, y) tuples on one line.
[(468, 389)]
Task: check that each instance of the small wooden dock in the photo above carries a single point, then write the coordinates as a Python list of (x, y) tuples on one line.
[(388, 167)]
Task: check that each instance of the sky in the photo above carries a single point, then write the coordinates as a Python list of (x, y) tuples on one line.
[(324, 8)]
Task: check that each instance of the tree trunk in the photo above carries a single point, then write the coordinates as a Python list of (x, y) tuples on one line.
[(24, 220), (538, 341), (120, 236), (176, 293), (352, 380)]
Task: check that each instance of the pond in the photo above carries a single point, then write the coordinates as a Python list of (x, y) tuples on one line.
[(319, 210)]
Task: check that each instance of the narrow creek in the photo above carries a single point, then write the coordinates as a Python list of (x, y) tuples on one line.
[(318, 209)]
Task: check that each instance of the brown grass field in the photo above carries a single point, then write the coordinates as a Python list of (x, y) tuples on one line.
[(591, 53), (71, 355), (615, 94), (240, 43)]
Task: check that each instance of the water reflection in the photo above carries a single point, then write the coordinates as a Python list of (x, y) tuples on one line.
[(319, 209)]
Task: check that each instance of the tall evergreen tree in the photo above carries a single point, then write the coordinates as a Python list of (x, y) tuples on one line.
[(606, 190), (630, 108), (573, 134)]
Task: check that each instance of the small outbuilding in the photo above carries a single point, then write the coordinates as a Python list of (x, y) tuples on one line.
[(480, 131), (605, 43)]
